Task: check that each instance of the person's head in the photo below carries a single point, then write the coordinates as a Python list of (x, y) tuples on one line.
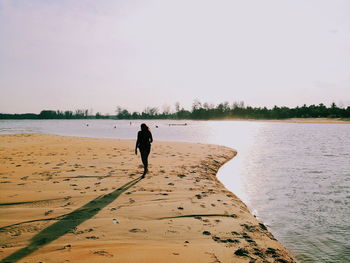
[(144, 127)]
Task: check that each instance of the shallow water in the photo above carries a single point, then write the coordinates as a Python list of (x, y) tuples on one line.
[(295, 177)]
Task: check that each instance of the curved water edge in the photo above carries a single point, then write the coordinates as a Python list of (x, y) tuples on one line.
[(294, 177)]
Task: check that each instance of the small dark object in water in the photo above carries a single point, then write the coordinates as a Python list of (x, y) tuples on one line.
[(177, 124)]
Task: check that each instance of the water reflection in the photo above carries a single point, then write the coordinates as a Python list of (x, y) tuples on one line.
[(300, 187)]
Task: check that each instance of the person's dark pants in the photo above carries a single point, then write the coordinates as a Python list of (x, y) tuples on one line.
[(144, 156)]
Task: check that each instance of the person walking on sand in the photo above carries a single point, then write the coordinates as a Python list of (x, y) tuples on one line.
[(143, 142)]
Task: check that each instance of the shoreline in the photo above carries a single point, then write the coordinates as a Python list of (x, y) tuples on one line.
[(291, 120), (312, 120), (81, 199)]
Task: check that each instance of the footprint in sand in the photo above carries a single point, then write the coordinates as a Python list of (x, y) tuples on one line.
[(248, 239), (225, 240), (137, 230), (65, 247), (198, 196), (103, 253), (92, 237), (241, 252), (48, 212), (250, 228), (79, 232)]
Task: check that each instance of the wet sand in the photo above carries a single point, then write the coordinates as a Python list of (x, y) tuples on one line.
[(70, 199)]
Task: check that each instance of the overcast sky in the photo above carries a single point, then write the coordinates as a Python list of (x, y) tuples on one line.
[(67, 55)]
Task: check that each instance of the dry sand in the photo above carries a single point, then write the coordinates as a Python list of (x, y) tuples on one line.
[(69, 199)]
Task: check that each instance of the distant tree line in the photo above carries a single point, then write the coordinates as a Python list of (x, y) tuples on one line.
[(199, 111), (50, 114), (206, 111)]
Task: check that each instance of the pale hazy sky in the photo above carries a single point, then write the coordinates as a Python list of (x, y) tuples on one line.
[(67, 55)]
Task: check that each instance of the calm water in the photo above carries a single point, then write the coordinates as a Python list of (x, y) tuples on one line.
[(294, 177)]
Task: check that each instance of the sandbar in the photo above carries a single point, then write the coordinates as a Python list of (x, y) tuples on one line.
[(72, 199)]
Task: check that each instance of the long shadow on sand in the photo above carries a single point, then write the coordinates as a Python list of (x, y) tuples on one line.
[(68, 222)]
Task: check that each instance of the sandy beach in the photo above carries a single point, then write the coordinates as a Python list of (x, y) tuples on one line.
[(71, 199)]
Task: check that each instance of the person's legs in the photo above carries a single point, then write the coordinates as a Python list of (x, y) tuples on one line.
[(144, 157)]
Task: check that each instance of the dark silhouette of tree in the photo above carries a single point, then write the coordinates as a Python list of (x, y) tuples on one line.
[(48, 114), (200, 111), (122, 113)]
